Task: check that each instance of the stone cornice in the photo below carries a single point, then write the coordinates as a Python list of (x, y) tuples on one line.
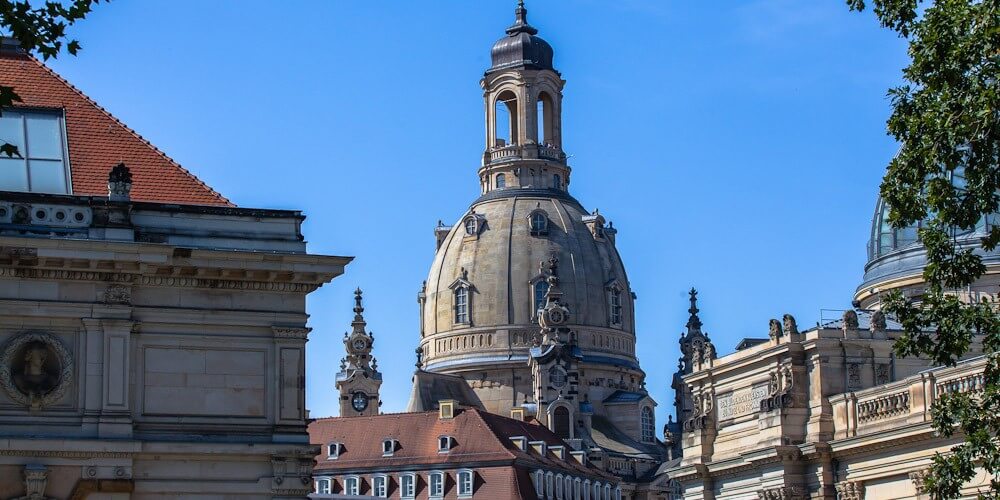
[(306, 285)]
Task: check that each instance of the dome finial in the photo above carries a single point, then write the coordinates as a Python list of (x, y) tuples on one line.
[(694, 322), (521, 21)]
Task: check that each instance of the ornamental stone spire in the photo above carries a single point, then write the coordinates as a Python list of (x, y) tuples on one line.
[(359, 379)]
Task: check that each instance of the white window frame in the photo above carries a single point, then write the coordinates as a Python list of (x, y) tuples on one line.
[(332, 451), (540, 483), (388, 451), (597, 491), (618, 493), (431, 491), (586, 489), (559, 486), (448, 442), (549, 489), (324, 481), (25, 150), (462, 475), (413, 485), (577, 484), (385, 485), (352, 485), (607, 492)]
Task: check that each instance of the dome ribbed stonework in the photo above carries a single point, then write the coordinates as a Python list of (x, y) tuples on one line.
[(501, 265)]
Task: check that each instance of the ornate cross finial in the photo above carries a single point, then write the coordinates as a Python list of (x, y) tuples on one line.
[(420, 358), (694, 322), (358, 308), (521, 21)]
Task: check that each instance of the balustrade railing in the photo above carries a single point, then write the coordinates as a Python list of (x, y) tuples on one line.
[(904, 402)]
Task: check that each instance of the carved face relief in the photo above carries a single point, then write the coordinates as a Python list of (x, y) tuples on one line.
[(35, 369)]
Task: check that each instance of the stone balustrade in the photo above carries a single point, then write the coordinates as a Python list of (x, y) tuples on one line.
[(505, 152), (904, 402)]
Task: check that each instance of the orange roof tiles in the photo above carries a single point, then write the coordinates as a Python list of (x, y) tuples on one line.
[(97, 141)]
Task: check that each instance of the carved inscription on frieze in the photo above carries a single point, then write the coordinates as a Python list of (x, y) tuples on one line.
[(741, 401)]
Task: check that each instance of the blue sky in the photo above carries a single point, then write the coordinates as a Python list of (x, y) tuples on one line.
[(736, 145)]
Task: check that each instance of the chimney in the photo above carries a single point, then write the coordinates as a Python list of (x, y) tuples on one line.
[(10, 45), (120, 183)]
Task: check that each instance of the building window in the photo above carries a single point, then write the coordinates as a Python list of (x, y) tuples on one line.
[(616, 306), (501, 181), (462, 305), (444, 444), (647, 425), (436, 484), (596, 495), (607, 492), (388, 447), (352, 485), (559, 486), (380, 486), (539, 484), (470, 226), (38, 137), (618, 493), (323, 486), (407, 485), (560, 422), (556, 181), (586, 489), (465, 483), (576, 488), (541, 288), (548, 485), (568, 488), (333, 451), (505, 119), (538, 223)]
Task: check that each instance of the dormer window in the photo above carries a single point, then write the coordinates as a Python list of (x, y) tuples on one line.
[(470, 226), (445, 444), (388, 447), (39, 137), (462, 305), (615, 305), (333, 451), (538, 223)]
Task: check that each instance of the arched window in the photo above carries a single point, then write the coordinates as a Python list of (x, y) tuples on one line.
[(616, 306), (501, 181), (560, 422), (380, 486), (586, 489), (323, 486), (352, 485), (470, 226), (607, 492), (539, 483), (548, 485), (647, 425), (465, 483), (544, 117), (436, 484), (568, 488), (407, 485), (556, 181), (538, 223), (576, 488), (462, 304), (541, 288), (596, 495), (505, 119), (559, 486)]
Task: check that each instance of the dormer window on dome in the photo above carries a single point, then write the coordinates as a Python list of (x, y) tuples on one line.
[(462, 296), (473, 224), (538, 222)]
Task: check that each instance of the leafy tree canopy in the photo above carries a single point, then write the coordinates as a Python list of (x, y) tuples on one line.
[(946, 118)]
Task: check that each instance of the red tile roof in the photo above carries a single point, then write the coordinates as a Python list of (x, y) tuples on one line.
[(98, 141), (479, 437)]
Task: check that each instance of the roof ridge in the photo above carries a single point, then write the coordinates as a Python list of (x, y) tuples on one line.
[(493, 431), (167, 157)]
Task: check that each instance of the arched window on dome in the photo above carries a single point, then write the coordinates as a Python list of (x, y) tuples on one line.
[(501, 181), (647, 425), (615, 299), (505, 119), (538, 222), (541, 287), (543, 112), (462, 305)]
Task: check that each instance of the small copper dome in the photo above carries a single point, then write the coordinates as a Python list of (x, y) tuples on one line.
[(521, 48)]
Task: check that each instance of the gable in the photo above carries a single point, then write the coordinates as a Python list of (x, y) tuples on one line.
[(97, 141)]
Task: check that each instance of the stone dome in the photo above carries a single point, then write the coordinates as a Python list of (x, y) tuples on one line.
[(521, 47), (495, 251)]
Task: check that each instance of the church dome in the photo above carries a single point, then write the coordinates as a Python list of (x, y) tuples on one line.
[(521, 47), (897, 259), (485, 284)]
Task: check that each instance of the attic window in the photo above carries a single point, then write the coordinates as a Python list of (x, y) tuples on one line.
[(39, 137), (333, 451), (388, 447), (445, 443)]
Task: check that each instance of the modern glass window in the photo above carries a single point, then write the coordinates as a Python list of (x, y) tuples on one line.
[(323, 486), (407, 485), (352, 485), (462, 304), (616, 306), (436, 483), (541, 288), (39, 139), (380, 487), (501, 181), (465, 482), (647, 425), (539, 223)]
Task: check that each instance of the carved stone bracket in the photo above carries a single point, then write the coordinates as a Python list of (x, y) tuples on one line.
[(35, 479), (850, 490)]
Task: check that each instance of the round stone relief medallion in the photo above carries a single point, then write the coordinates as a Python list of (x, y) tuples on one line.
[(35, 369)]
